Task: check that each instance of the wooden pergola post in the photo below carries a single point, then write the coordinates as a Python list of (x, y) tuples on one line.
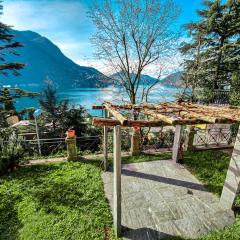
[(105, 144), (176, 154), (135, 142), (232, 183), (189, 139), (117, 181)]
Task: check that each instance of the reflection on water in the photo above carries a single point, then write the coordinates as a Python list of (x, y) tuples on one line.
[(95, 96)]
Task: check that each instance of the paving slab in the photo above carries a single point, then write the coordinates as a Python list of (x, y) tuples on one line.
[(162, 199)]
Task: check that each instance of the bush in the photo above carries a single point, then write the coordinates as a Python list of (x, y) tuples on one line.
[(11, 151)]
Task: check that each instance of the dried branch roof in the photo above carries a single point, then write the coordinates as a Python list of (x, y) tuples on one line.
[(167, 113)]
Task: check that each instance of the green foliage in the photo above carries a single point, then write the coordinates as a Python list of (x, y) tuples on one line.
[(8, 96), (57, 201), (8, 47), (212, 57), (11, 151), (55, 110), (62, 116), (146, 157), (211, 167), (234, 98)]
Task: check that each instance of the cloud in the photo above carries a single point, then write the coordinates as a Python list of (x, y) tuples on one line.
[(45, 15), (63, 22), (67, 25)]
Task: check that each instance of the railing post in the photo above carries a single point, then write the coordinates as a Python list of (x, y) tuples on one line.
[(117, 181), (232, 183), (176, 151)]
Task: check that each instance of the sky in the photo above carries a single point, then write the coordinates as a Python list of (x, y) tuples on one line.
[(65, 23)]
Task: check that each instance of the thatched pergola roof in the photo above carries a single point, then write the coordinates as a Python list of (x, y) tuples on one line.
[(163, 114)]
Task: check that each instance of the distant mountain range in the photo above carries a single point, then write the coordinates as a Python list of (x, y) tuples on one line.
[(45, 61), (172, 80)]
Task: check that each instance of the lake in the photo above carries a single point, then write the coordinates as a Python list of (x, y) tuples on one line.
[(95, 96)]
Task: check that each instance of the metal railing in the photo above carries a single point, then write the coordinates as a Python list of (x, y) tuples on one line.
[(215, 137), (50, 146), (158, 141)]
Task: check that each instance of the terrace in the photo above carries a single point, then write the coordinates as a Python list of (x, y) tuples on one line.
[(146, 184)]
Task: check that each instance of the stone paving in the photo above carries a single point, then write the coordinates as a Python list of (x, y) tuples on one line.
[(162, 199)]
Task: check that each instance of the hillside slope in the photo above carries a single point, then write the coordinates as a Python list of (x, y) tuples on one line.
[(44, 60)]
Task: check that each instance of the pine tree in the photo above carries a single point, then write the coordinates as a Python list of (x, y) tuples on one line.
[(54, 108), (215, 38), (8, 46), (7, 95)]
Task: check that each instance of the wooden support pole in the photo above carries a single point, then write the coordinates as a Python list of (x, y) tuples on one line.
[(176, 151), (117, 181), (232, 183), (105, 144), (135, 142), (189, 138)]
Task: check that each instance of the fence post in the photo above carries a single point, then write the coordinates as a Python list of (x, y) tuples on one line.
[(71, 147), (105, 144), (232, 183), (176, 151), (117, 181)]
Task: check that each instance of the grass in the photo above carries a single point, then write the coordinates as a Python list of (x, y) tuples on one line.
[(58, 201), (211, 167), (66, 200), (146, 157), (55, 201)]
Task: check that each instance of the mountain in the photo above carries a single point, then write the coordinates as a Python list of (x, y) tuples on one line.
[(172, 80), (144, 78), (44, 60)]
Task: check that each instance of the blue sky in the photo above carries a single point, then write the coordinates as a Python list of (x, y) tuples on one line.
[(66, 24)]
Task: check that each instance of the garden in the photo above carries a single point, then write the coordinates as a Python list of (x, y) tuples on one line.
[(66, 200)]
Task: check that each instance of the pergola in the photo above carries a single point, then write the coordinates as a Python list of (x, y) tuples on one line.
[(167, 114)]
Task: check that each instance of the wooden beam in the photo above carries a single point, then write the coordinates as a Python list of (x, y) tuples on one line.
[(160, 117), (117, 210), (197, 117), (131, 123), (178, 113), (232, 183), (115, 113)]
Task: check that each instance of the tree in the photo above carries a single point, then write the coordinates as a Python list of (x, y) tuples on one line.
[(132, 36), (192, 50), (62, 115), (7, 95), (54, 108), (212, 57), (8, 46)]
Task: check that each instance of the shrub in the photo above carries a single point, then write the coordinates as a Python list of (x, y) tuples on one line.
[(11, 151)]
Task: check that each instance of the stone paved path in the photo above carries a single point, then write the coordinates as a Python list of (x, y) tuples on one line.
[(162, 199)]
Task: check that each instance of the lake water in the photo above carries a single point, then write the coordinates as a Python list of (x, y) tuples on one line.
[(88, 97)]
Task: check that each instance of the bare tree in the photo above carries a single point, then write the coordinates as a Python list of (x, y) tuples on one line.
[(133, 35)]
